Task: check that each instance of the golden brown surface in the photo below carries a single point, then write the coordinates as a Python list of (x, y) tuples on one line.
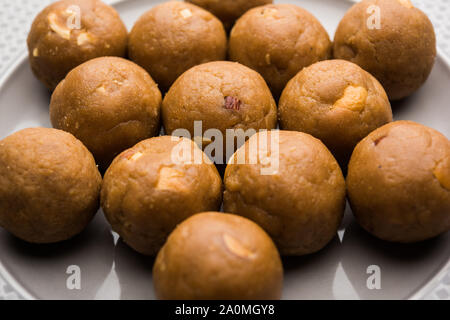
[(301, 205), (174, 36), (228, 11), (223, 95), (278, 41), (55, 49), (400, 54), (337, 102), (146, 193), (215, 255), (399, 182), (110, 104), (49, 185)]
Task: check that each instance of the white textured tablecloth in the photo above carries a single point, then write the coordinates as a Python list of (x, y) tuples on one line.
[(16, 17)]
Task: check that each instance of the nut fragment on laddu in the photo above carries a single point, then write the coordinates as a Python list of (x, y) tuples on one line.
[(35, 52), (268, 60), (101, 89), (169, 179), (130, 154), (232, 103), (136, 156), (186, 13), (84, 37), (237, 248), (58, 26), (354, 98)]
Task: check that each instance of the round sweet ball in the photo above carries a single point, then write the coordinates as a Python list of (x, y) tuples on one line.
[(222, 95), (337, 102), (399, 182), (154, 186), (173, 37), (69, 32), (110, 104), (392, 40), (290, 184), (228, 11), (49, 185), (278, 41), (218, 256)]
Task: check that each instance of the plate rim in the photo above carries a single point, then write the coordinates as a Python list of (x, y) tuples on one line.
[(22, 293)]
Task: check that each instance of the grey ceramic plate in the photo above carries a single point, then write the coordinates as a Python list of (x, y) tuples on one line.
[(110, 270)]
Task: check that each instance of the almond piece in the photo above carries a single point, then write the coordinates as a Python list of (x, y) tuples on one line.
[(237, 248), (186, 13), (170, 179), (268, 60), (101, 89), (85, 37), (135, 156), (58, 26), (354, 98)]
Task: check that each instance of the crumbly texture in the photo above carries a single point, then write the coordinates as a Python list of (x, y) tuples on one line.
[(220, 256), (49, 185), (399, 182), (146, 193), (110, 104), (278, 41), (400, 54), (173, 37), (223, 95), (337, 102), (56, 46), (228, 11), (300, 204)]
